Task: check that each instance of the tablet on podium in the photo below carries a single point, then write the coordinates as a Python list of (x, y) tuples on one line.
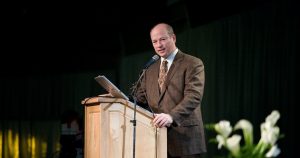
[(110, 87)]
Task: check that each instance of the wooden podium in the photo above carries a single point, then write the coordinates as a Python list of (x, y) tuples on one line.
[(109, 132)]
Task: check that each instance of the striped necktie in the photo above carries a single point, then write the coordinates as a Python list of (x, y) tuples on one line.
[(162, 73)]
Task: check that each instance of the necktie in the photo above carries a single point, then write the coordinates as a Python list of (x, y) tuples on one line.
[(162, 73)]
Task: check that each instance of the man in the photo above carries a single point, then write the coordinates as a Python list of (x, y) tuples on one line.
[(175, 94)]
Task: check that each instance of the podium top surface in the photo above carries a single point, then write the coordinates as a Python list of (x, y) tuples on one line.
[(108, 99)]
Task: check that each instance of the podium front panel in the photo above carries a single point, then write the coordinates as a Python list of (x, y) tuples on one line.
[(109, 132)]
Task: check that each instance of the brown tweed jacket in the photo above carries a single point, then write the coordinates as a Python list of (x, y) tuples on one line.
[(180, 97)]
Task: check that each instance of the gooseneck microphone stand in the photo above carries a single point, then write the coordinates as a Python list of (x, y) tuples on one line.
[(134, 97)]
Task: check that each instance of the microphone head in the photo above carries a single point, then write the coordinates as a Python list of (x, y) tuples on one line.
[(155, 57)]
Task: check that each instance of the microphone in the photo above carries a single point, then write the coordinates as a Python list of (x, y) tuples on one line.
[(151, 61), (135, 85)]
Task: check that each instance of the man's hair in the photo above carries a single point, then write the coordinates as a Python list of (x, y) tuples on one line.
[(168, 27)]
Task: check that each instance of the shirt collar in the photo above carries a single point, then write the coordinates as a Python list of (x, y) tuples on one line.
[(170, 58)]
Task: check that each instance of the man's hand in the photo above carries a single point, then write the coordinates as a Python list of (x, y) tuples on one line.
[(162, 120)]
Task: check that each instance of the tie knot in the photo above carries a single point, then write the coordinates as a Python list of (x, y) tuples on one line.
[(165, 64)]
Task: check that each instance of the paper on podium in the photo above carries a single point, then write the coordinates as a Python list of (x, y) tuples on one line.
[(110, 87)]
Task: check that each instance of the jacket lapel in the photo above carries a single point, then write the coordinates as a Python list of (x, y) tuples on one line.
[(175, 66), (154, 82)]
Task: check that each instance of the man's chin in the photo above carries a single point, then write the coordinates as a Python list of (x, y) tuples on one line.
[(162, 53)]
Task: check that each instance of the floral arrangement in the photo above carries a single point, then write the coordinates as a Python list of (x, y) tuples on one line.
[(266, 147)]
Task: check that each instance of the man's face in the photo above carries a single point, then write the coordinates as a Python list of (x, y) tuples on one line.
[(163, 43)]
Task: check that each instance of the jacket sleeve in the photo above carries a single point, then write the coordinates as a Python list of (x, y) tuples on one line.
[(194, 79), (141, 92)]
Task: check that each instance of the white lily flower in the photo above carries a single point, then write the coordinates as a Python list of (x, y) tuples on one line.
[(247, 128), (273, 152), (273, 117), (221, 141), (244, 125), (223, 128), (233, 144), (269, 134)]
